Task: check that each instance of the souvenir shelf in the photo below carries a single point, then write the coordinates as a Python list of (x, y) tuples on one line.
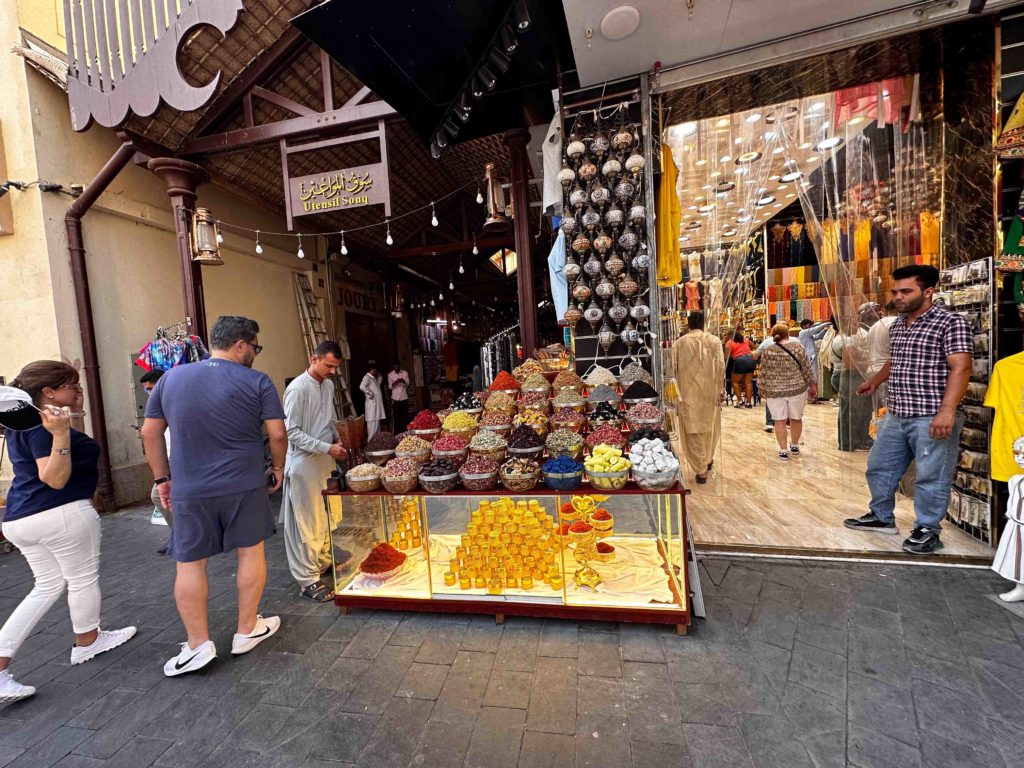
[(967, 290), (643, 578)]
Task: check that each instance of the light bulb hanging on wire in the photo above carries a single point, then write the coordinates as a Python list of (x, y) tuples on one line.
[(220, 237), (389, 239), (451, 284), (462, 269), (440, 295), (259, 248), (433, 216), (344, 248), (431, 302), (475, 249), (301, 254), (479, 196)]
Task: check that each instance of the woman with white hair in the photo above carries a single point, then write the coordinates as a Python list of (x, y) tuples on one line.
[(785, 379)]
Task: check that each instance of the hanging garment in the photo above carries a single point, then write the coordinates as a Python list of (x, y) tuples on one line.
[(670, 269), (693, 265), (862, 240), (552, 154), (1006, 395), (693, 291), (1010, 554), (559, 282), (777, 249), (713, 295), (699, 367), (929, 224)]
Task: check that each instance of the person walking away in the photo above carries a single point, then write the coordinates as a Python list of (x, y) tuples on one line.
[(809, 336), (50, 518), (739, 350), (374, 408), (786, 380), (217, 410), (398, 384), (854, 412), (929, 368), (769, 422), (161, 515), (313, 453), (699, 367), (878, 353)]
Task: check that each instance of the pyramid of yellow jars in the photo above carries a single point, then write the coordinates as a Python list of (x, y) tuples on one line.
[(507, 545), (407, 533)]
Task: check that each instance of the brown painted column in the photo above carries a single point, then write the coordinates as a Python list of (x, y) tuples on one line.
[(182, 179), (516, 141)]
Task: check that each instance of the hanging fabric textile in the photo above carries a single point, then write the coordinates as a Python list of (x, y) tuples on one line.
[(559, 282), (171, 347), (670, 269)]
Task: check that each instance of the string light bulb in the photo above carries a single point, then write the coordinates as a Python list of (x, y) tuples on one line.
[(220, 237), (451, 283), (301, 254), (433, 215), (259, 248), (344, 248), (479, 196), (440, 295), (389, 239), (475, 249), (462, 269), (432, 302)]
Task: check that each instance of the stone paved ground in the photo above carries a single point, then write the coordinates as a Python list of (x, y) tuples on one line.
[(799, 664)]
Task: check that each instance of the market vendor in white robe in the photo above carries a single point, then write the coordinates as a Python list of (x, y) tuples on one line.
[(374, 407), (313, 451), (698, 364), (1009, 559)]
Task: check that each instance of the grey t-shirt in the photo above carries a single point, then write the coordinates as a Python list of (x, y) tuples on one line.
[(215, 410)]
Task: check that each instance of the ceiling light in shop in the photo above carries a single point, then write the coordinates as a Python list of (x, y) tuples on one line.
[(707, 208), (699, 197), (620, 22), (700, 162), (777, 151), (774, 177), (769, 135), (686, 129), (761, 190), (707, 186), (741, 170), (777, 205), (723, 122), (743, 218), (692, 208), (766, 200), (791, 194), (816, 107), (780, 187), (830, 143), (753, 117), (728, 233), (738, 141), (694, 225), (730, 203), (725, 158), (721, 194), (792, 176), (855, 120), (715, 174), (685, 238), (725, 186), (805, 145), (748, 157)]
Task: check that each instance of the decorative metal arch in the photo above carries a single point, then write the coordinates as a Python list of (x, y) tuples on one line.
[(122, 56)]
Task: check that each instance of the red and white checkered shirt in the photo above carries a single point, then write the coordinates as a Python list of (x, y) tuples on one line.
[(918, 368)]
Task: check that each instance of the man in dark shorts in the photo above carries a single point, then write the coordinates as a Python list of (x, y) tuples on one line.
[(216, 410)]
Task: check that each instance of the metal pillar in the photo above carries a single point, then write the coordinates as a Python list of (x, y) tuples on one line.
[(516, 141), (647, 129), (182, 178)]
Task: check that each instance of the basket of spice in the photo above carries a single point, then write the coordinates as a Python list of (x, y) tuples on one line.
[(504, 382), (415, 448), (479, 474), (518, 475), (462, 424), (525, 443), (645, 415), (363, 478), (439, 476), (605, 435), (565, 442), (602, 394), (536, 383), (604, 552), (383, 562), (534, 401), (426, 425), (640, 392), (607, 414), (603, 522), (490, 445), (563, 474), (535, 420), (469, 403), (497, 421), (381, 448), (567, 418), (400, 475), (569, 398), (450, 447), (568, 379)]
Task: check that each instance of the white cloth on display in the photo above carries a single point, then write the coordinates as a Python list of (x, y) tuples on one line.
[(374, 407), (552, 154), (693, 266), (1009, 559), (559, 282), (309, 419)]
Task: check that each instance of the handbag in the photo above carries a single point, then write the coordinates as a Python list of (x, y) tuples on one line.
[(792, 357)]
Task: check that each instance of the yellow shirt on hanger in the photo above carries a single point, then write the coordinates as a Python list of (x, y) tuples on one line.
[(670, 267), (862, 240), (1006, 395), (929, 233), (830, 242)]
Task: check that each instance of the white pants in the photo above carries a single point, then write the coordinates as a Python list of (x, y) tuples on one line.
[(782, 408), (62, 547)]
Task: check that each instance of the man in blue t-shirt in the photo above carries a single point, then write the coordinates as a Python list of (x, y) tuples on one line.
[(216, 410)]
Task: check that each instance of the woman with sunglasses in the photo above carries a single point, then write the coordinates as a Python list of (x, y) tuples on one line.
[(50, 518)]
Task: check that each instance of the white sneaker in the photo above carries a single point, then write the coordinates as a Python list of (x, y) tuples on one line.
[(105, 641), (190, 660), (12, 690), (265, 628)]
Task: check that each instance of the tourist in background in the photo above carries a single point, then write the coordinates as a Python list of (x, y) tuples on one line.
[(374, 401), (50, 518), (785, 378), (878, 353), (738, 349), (398, 385), (810, 335)]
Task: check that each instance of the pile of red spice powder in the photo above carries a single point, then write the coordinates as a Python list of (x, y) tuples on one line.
[(503, 380), (382, 558)]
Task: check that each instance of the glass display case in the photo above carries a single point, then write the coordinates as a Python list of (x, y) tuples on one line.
[(612, 555)]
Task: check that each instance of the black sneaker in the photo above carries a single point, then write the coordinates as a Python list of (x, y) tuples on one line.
[(922, 541), (869, 522)]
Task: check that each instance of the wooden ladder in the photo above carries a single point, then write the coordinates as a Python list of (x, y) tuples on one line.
[(314, 331)]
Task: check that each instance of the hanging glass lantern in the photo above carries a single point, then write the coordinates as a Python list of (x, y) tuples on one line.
[(614, 217), (622, 139), (628, 239), (599, 144), (602, 242), (635, 163), (640, 311), (600, 195), (575, 148), (606, 336), (611, 168), (571, 269), (625, 190), (605, 289), (566, 176), (496, 220), (568, 224), (618, 311), (587, 169), (578, 197), (628, 286), (593, 315), (642, 261), (630, 336), (581, 291), (205, 250), (572, 315), (591, 218), (637, 213), (593, 266), (614, 264), (581, 244)]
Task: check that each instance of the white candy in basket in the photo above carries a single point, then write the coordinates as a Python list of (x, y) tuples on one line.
[(650, 455)]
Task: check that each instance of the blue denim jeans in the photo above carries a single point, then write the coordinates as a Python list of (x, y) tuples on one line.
[(900, 441)]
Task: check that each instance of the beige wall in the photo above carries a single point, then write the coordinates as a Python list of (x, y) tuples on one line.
[(133, 264)]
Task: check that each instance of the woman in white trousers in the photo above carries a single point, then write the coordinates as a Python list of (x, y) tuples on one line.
[(50, 518)]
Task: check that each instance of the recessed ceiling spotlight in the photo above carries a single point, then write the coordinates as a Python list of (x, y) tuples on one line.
[(722, 122), (740, 170), (792, 176), (743, 218), (730, 203), (766, 200), (774, 177), (738, 141), (620, 22), (707, 186), (685, 238), (781, 187), (692, 208), (686, 129), (857, 120), (707, 208), (728, 233), (700, 162), (748, 157), (805, 145), (816, 107), (753, 117), (725, 158), (699, 197), (790, 195), (769, 135), (829, 143), (812, 159), (777, 205), (725, 186), (715, 174)]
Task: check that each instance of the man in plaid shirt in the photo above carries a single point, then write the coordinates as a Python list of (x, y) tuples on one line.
[(928, 373)]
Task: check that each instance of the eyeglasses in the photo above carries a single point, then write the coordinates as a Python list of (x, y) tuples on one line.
[(255, 347), (76, 387)]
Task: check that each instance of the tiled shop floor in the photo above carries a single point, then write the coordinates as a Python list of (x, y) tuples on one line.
[(798, 664)]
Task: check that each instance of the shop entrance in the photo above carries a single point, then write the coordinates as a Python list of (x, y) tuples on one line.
[(800, 211)]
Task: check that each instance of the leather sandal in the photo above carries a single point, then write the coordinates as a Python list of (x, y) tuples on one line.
[(318, 592)]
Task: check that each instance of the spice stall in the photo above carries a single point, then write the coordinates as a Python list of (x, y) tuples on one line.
[(545, 496)]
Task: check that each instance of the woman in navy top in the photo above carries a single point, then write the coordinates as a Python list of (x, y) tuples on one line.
[(50, 518)]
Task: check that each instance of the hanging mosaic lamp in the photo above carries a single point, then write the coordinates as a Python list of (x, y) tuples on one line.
[(602, 242), (624, 191), (628, 286), (630, 336), (614, 217), (578, 197), (605, 289), (581, 244), (571, 269), (642, 261), (568, 224), (575, 148), (572, 315), (622, 139), (618, 312), (591, 218), (587, 170), (599, 144), (606, 337), (635, 163), (566, 176), (628, 239), (593, 266), (637, 213), (593, 315), (614, 264), (581, 291), (612, 167), (640, 311), (600, 195)]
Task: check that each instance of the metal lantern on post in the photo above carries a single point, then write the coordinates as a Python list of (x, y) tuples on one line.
[(205, 250), (496, 206)]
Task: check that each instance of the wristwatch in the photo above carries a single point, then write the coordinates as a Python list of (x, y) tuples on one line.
[(62, 451), (162, 480)]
